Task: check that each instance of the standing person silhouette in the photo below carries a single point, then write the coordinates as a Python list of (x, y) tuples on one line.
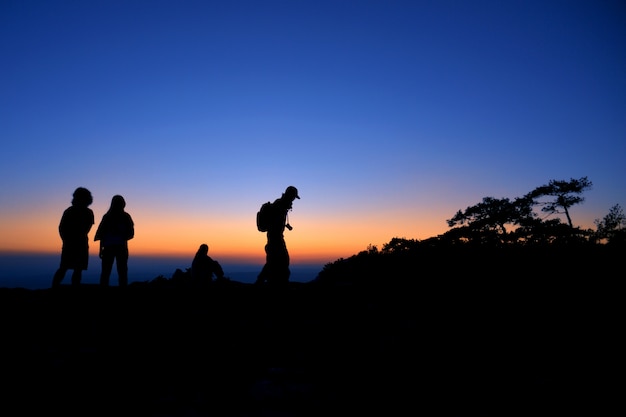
[(276, 269), (76, 222), (114, 232), (203, 267)]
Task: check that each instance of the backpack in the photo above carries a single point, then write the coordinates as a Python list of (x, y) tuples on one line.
[(264, 217)]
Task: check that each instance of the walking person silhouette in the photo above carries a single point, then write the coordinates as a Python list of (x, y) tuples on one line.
[(114, 232), (276, 269), (76, 222)]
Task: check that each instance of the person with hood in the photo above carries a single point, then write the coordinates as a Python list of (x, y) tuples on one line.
[(203, 268), (76, 222), (276, 269), (114, 232)]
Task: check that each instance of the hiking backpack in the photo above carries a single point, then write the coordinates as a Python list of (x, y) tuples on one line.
[(264, 217)]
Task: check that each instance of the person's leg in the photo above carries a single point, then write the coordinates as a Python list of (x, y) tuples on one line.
[(79, 261), (262, 278), (108, 257), (122, 266), (281, 262), (77, 275), (274, 262), (58, 277)]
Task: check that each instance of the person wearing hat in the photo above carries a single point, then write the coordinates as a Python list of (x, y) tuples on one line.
[(276, 269)]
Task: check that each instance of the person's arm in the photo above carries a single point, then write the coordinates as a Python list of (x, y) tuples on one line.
[(219, 272), (131, 227), (99, 230), (62, 226)]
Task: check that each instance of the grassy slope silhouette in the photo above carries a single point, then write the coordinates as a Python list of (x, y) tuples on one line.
[(454, 325)]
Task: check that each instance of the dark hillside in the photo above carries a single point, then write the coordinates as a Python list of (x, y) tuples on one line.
[(464, 344), (424, 262)]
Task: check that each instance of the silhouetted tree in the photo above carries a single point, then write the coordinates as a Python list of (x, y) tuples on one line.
[(533, 231), (488, 220), (612, 225), (493, 239), (565, 193), (398, 245)]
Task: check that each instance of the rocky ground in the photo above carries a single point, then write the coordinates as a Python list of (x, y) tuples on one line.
[(450, 349)]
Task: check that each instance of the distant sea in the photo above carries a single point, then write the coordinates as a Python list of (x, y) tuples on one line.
[(35, 271)]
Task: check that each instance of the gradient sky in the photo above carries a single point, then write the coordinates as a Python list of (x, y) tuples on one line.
[(389, 116)]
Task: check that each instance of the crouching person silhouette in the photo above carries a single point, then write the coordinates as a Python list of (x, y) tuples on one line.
[(76, 222), (114, 232), (276, 269), (203, 267)]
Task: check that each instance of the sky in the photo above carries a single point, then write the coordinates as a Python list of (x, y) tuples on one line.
[(388, 116)]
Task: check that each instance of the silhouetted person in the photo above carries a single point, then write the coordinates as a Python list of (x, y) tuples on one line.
[(276, 269), (75, 224), (114, 232), (203, 267)]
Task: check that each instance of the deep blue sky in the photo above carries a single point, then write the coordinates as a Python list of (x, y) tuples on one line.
[(389, 116)]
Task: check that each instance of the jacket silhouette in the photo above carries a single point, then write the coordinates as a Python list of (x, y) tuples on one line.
[(276, 269), (114, 232), (76, 222)]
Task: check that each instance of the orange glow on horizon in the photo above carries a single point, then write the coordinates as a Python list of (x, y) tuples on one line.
[(231, 237), (228, 236)]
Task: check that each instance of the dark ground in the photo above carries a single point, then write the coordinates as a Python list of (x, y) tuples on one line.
[(450, 349)]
